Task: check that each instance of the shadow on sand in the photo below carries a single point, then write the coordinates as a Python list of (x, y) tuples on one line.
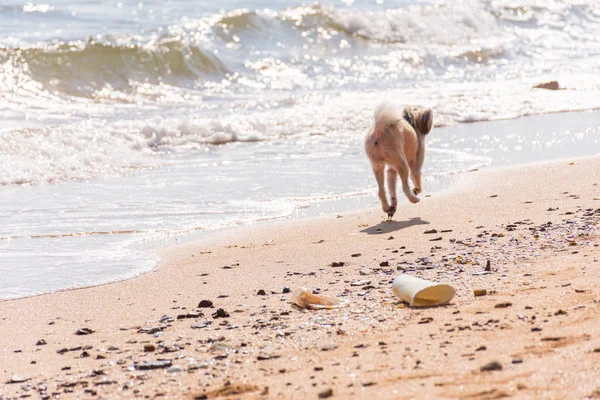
[(392, 226)]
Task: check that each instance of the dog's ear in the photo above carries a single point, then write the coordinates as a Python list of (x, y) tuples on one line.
[(420, 118), (424, 120)]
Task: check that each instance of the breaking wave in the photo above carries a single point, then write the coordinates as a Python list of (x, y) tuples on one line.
[(107, 104), (254, 48)]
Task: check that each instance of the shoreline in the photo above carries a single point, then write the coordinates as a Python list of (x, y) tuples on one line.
[(462, 183), (135, 251), (264, 335)]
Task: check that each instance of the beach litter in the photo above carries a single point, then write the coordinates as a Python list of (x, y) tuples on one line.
[(422, 293), (304, 298)]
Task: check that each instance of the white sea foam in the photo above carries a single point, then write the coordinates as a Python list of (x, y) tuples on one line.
[(91, 148)]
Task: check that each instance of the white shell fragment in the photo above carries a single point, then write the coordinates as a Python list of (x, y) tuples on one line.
[(304, 298)]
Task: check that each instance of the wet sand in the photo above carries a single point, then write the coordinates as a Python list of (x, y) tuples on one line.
[(535, 334)]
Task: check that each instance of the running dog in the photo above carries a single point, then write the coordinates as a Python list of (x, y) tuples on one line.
[(397, 140)]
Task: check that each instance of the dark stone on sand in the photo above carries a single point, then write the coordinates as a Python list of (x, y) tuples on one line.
[(286, 290), (552, 339), (206, 304), (384, 264), (437, 239), (41, 342), (430, 231), (503, 305), (84, 354), (517, 361), (190, 315), (325, 394), (84, 331), (220, 313), (263, 357), (337, 264), (149, 347), (158, 364), (261, 292), (488, 266), (492, 366)]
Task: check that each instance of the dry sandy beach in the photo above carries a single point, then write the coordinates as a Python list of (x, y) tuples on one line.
[(535, 334)]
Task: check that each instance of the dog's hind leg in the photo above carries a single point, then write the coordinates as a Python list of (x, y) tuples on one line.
[(392, 178), (401, 166), (378, 170), (415, 176), (416, 165)]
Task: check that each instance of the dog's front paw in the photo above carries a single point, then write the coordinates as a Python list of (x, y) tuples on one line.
[(414, 199), (416, 190)]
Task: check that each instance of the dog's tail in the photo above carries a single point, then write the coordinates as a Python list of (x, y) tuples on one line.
[(385, 115)]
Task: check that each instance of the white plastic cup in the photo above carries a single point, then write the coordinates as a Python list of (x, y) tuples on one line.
[(422, 293)]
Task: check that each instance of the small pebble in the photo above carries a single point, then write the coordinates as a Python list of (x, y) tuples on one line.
[(17, 379), (492, 366), (220, 313), (149, 347), (206, 304)]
